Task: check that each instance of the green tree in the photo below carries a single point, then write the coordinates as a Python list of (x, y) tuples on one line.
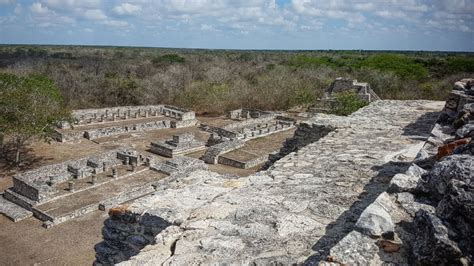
[(347, 103), (29, 107)]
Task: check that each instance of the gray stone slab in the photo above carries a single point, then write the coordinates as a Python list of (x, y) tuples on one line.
[(12, 211)]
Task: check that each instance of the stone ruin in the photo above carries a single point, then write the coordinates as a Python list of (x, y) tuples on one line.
[(35, 188), (425, 217), (39, 185), (339, 85), (249, 124), (252, 123), (325, 200), (179, 165), (246, 113), (179, 145), (105, 122)]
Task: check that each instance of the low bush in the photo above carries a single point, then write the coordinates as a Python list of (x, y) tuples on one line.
[(346, 103)]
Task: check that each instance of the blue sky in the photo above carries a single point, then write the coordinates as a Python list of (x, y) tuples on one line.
[(231, 24)]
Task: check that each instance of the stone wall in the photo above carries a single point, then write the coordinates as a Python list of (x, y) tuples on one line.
[(306, 133), (250, 123), (247, 113), (242, 164), (121, 129), (212, 154), (179, 165), (180, 144), (219, 131), (85, 116), (39, 184)]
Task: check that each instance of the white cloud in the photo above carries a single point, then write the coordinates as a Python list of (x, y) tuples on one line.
[(94, 14), (18, 9), (39, 9), (72, 4), (116, 23), (127, 9), (7, 2)]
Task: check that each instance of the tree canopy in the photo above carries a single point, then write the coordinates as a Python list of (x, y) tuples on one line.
[(29, 107)]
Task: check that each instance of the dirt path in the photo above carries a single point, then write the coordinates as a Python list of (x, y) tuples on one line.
[(70, 243)]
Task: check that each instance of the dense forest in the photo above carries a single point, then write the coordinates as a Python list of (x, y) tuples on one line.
[(212, 81)]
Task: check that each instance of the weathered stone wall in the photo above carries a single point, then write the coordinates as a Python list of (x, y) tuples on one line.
[(121, 129), (250, 123), (180, 144), (38, 184), (212, 153), (305, 134), (295, 211), (242, 164), (84, 116)]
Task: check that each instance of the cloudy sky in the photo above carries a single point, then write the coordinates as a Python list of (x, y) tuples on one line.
[(234, 24)]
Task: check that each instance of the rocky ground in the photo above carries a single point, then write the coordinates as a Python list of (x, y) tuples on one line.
[(297, 211)]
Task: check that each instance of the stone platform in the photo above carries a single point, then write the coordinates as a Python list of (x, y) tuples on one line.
[(294, 212), (12, 211)]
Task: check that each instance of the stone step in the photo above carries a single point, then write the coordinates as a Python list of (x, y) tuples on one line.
[(126, 196), (19, 199), (12, 211)]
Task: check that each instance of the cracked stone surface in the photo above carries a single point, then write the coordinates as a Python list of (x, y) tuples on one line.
[(295, 211)]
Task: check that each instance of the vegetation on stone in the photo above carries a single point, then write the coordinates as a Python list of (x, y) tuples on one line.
[(347, 103)]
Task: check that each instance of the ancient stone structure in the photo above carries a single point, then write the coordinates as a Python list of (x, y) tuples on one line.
[(256, 124), (294, 212), (179, 145), (212, 153), (179, 165), (247, 113), (35, 189), (339, 85), (104, 122), (426, 215), (363, 90)]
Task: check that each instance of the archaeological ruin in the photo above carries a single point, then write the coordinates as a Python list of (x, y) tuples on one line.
[(100, 123), (390, 184), (179, 145), (343, 85), (59, 192)]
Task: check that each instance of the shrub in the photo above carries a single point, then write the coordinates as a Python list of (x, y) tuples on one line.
[(347, 103), (402, 66), (168, 59), (302, 97)]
